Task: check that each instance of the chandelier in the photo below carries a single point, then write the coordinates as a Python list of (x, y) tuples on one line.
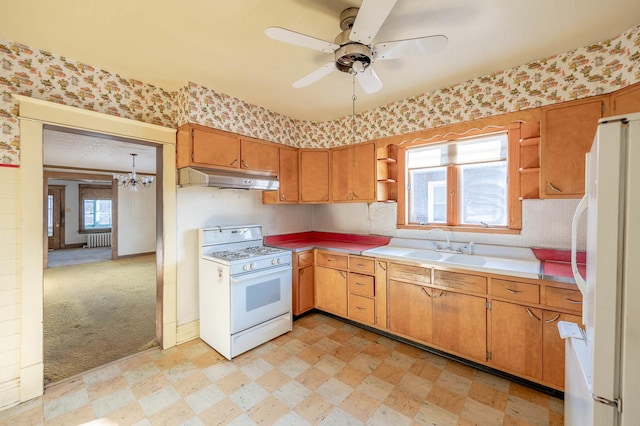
[(132, 180)]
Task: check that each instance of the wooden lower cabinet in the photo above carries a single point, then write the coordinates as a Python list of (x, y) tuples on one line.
[(526, 341), (305, 290), (410, 310), (331, 290), (460, 323), (553, 347), (516, 338)]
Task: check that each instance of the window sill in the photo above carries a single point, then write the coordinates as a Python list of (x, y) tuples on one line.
[(476, 229)]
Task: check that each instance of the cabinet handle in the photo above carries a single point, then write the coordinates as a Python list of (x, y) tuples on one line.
[(360, 265), (573, 302), (330, 259), (514, 291), (424, 290), (283, 196), (441, 293), (342, 274), (380, 265), (553, 187), (245, 165), (354, 195), (325, 198), (302, 271), (359, 283), (234, 162), (553, 319), (531, 314), (360, 308)]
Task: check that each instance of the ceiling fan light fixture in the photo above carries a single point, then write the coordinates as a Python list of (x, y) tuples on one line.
[(348, 54)]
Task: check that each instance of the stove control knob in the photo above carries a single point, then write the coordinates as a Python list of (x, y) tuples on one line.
[(279, 261), (253, 266), (274, 261), (245, 267)]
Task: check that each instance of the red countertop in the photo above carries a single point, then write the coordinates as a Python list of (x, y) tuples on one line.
[(556, 264), (350, 243)]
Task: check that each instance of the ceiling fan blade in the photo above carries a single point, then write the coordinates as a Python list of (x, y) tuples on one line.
[(315, 75), (371, 16), (410, 47), (292, 37), (369, 80)]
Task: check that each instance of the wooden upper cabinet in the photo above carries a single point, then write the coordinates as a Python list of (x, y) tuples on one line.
[(625, 101), (353, 173), (341, 161), (567, 134), (258, 155), (288, 176), (202, 146), (314, 176)]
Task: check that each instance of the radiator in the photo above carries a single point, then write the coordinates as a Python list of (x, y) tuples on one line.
[(102, 239)]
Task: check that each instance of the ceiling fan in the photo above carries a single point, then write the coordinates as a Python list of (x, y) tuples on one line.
[(352, 49)]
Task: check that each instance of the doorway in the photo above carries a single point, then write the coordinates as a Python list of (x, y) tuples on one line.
[(55, 224), (34, 115), (99, 291)]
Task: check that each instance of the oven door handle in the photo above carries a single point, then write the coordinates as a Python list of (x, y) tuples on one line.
[(251, 275)]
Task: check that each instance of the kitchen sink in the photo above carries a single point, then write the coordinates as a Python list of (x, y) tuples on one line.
[(466, 259), (424, 254)]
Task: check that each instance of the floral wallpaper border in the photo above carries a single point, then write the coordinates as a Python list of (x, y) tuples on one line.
[(591, 70)]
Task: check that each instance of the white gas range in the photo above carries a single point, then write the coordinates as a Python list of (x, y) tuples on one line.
[(245, 289)]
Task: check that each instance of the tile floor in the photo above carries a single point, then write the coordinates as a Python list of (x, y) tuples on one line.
[(323, 372)]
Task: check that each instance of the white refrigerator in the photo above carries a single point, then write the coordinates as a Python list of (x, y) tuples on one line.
[(602, 370)]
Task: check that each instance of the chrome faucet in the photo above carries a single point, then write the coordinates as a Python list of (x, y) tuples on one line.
[(448, 246)]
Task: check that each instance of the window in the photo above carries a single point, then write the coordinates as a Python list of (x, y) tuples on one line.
[(95, 208), (458, 183)]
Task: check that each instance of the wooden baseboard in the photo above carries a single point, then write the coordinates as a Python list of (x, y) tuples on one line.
[(188, 331)]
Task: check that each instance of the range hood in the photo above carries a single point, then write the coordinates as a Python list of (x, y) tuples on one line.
[(197, 176)]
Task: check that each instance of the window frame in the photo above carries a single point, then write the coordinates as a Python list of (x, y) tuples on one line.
[(81, 199), (514, 202)]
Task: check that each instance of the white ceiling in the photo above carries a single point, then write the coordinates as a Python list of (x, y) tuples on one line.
[(221, 44), (81, 152)]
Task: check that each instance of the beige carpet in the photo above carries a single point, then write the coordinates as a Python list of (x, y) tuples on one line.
[(96, 313)]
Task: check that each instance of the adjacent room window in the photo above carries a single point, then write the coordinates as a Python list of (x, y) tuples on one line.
[(458, 183), (95, 208)]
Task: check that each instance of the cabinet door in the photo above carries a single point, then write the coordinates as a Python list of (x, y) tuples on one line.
[(553, 347), (314, 176), (212, 148), (288, 176), (363, 173), (626, 101), (305, 290), (410, 310), (331, 290), (567, 135), (460, 323), (258, 155), (516, 338), (341, 164)]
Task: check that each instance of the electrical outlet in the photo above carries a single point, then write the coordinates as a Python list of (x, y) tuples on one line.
[(272, 223)]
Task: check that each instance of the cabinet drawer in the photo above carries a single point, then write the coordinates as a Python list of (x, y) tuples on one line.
[(410, 273), (362, 309), (564, 299), (332, 260), (521, 292), (364, 266), (305, 259), (461, 281), (361, 284)]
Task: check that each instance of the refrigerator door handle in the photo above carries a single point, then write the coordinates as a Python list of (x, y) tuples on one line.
[(582, 206), (616, 403)]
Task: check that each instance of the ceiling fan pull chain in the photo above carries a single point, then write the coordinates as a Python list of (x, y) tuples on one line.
[(353, 111)]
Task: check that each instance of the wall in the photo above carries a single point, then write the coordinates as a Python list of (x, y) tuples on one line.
[(380, 218), (207, 207), (136, 220), (10, 224)]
